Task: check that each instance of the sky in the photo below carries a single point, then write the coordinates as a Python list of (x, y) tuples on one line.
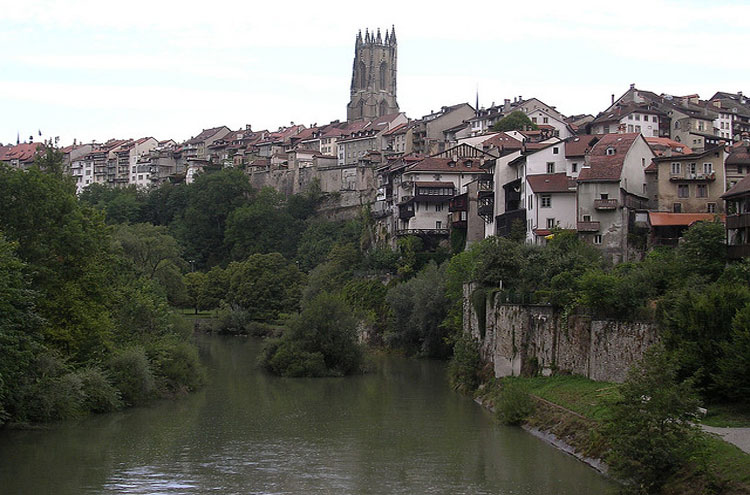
[(101, 69)]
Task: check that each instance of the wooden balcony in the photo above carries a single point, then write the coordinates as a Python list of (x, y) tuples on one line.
[(693, 177), (738, 221), (605, 204), (737, 252), (587, 227)]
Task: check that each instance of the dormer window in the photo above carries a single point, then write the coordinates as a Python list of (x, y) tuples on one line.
[(452, 163), (610, 151), (468, 163)]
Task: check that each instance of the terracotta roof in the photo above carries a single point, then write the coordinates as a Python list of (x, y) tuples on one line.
[(22, 152), (551, 183), (205, 134), (604, 167), (502, 141), (433, 164), (579, 145), (739, 189), (740, 155), (667, 219), (659, 146), (399, 129), (652, 168), (435, 184)]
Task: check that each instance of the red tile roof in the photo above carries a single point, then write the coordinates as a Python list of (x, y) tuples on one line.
[(659, 146), (23, 152), (579, 145), (502, 141), (666, 219), (399, 129), (740, 155), (739, 189), (604, 167), (551, 183)]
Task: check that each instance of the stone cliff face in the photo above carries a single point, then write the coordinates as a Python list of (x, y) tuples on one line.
[(519, 339)]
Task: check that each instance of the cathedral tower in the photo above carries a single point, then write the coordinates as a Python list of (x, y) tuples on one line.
[(373, 91)]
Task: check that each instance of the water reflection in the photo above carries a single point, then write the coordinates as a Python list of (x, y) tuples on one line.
[(397, 430)]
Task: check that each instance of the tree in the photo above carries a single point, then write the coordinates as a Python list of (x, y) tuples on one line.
[(514, 121), (320, 341), (211, 199), (265, 285), (149, 247), (703, 251), (651, 430), (733, 375), (262, 226), (195, 286)]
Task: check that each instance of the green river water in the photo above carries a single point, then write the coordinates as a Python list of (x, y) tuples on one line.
[(398, 430)]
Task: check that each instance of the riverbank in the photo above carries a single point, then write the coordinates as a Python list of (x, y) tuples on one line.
[(568, 414)]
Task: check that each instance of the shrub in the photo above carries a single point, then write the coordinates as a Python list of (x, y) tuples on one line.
[(325, 329), (51, 393), (513, 403), (176, 366), (651, 429), (99, 395), (465, 365), (132, 375)]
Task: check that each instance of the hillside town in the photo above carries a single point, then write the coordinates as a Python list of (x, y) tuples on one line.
[(633, 176)]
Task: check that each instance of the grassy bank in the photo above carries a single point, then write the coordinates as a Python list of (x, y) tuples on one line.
[(573, 408)]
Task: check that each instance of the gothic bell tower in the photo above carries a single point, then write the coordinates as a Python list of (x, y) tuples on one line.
[(373, 90)]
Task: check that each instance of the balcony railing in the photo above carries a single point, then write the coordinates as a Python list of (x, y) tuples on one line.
[(605, 204), (693, 177), (441, 232), (588, 227)]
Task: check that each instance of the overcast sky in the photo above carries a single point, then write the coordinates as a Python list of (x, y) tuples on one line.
[(104, 69)]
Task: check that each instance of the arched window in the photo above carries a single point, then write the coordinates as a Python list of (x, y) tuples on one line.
[(383, 108), (383, 72), (362, 75)]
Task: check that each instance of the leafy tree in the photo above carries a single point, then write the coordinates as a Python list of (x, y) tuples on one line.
[(514, 121), (212, 197), (418, 309), (651, 430), (265, 285), (703, 251), (262, 226), (195, 286), (732, 377), (149, 247), (322, 340)]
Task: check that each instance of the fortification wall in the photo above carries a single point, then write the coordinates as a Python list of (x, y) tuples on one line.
[(519, 339)]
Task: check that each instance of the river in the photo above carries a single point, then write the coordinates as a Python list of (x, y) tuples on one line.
[(398, 430)]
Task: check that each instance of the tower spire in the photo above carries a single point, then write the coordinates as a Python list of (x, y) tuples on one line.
[(378, 40), (393, 34)]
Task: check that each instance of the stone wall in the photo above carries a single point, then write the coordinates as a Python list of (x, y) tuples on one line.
[(528, 338)]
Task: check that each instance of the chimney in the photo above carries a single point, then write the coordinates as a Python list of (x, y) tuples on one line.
[(613, 98), (248, 127), (632, 85)]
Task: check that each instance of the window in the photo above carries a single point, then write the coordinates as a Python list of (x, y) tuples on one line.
[(637, 128), (546, 120), (644, 188), (438, 207), (683, 191), (606, 129), (677, 207), (604, 196), (708, 168), (598, 239), (587, 218), (692, 168), (711, 207), (653, 119), (701, 191), (574, 167), (676, 124), (550, 167), (546, 201), (630, 127), (531, 203), (550, 223), (555, 150), (438, 224), (533, 119), (676, 168), (637, 116), (630, 117)]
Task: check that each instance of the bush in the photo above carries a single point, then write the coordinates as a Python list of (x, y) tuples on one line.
[(513, 403), (326, 329), (51, 393), (651, 429), (99, 395), (176, 366), (132, 375), (465, 365)]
